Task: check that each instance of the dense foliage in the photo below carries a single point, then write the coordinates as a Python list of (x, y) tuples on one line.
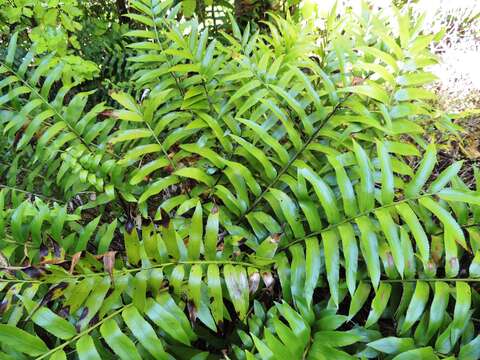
[(235, 191)]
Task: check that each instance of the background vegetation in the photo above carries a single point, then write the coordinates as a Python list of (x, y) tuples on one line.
[(246, 180)]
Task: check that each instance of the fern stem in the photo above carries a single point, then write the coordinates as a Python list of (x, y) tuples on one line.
[(22, 169), (133, 270), (31, 193), (84, 332), (474, 280), (157, 36), (20, 281), (289, 163), (296, 156), (461, 226), (351, 219)]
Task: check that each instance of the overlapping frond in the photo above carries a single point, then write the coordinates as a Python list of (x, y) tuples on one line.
[(248, 197), (169, 271), (49, 127)]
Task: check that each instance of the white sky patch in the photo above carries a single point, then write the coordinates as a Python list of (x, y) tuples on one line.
[(459, 51)]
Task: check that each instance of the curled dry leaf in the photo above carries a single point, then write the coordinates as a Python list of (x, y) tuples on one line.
[(75, 259), (3, 261), (253, 282), (268, 279), (108, 264), (192, 312)]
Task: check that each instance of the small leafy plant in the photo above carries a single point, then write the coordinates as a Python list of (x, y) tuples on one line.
[(245, 194)]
